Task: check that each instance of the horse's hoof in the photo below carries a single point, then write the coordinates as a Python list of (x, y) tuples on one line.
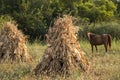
[(97, 52), (106, 52)]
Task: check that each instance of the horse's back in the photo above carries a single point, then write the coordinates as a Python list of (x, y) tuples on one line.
[(99, 39)]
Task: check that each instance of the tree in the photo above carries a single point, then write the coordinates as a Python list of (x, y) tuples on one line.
[(36, 16), (97, 11)]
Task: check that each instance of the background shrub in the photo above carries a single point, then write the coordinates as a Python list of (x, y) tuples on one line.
[(111, 28)]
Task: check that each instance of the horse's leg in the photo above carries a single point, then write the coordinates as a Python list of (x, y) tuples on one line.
[(96, 48), (105, 45), (92, 47)]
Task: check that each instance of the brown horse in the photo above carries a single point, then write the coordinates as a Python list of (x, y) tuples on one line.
[(96, 39)]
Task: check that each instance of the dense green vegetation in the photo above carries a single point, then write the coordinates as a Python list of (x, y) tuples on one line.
[(36, 16)]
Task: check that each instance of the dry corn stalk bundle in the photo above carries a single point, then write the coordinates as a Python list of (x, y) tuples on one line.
[(12, 44), (63, 54)]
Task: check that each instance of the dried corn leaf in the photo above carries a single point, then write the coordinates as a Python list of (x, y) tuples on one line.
[(65, 54)]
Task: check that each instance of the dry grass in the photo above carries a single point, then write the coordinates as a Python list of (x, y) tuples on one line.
[(103, 66)]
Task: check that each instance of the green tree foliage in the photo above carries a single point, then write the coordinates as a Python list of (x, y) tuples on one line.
[(117, 2), (99, 10), (36, 16)]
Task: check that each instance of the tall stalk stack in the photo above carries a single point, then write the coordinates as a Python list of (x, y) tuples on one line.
[(12, 44), (63, 54)]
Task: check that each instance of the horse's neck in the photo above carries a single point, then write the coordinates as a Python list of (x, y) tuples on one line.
[(92, 35)]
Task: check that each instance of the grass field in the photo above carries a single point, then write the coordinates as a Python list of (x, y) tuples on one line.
[(103, 66)]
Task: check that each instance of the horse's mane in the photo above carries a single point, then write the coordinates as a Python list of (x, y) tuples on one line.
[(90, 33)]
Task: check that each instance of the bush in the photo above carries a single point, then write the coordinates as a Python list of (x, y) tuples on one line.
[(110, 28)]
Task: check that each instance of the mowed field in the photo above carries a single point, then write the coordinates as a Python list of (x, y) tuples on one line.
[(103, 66)]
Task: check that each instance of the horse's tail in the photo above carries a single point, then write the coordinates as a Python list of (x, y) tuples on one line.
[(109, 40)]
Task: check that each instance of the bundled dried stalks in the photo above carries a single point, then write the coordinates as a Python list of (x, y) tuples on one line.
[(12, 44), (63, 54)]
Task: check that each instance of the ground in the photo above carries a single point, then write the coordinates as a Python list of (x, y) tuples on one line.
[(103, 66)]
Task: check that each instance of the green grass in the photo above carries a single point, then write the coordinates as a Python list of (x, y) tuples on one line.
[(103, 66)]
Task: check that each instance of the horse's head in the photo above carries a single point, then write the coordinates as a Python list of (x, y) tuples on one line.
[(88, 35)]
